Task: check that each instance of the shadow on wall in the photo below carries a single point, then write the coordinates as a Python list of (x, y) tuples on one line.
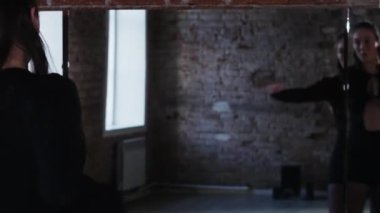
[(163, 116)]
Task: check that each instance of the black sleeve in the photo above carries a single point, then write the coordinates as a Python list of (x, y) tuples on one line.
[(59, 145), (320, 91)]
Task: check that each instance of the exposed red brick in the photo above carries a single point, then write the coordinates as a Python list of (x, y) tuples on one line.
[(42, 3), (374, 3), (197, 3), (136, 3), (260, 2), (319, 2), (72, 2)]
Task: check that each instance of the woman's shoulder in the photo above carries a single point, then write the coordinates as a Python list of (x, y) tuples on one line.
[(55, 78), (28, 81), (55, 86), (54, 81)]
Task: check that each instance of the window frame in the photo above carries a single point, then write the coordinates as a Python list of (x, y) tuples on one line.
[(126, 130)]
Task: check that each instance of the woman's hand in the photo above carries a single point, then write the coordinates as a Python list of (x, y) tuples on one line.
[(274, 88)]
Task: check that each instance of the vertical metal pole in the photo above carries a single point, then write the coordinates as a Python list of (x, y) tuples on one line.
[(346, 87), (65, 36)]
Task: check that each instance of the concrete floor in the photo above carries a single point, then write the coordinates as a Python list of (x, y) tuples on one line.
[(187, 201), (210, 202)]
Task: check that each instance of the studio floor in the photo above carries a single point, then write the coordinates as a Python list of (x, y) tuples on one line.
[(213, 202)]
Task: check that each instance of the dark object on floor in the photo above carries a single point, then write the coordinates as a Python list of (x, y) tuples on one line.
[(277, 193), (291, 178), (309, 192), (290, 183)]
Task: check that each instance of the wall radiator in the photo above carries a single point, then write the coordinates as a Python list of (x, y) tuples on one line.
[(131, 164)]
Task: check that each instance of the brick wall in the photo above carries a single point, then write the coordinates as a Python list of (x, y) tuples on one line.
[(202, 3), (87, 55), (208, 123)]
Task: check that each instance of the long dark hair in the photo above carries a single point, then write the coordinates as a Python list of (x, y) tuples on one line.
[(16, 27)]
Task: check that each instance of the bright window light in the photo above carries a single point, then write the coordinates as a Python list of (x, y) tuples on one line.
[(51, 28), (125, 103)]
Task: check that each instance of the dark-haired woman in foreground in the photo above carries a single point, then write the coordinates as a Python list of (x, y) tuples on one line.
[(42, 143)]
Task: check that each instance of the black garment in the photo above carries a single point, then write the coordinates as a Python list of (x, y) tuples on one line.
[(42, 148), (42, 154), (331, 90), (363, 145), (42, 144)]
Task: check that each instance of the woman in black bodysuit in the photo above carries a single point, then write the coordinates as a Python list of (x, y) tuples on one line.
[(362, 177), (363, 174), (330, 90)]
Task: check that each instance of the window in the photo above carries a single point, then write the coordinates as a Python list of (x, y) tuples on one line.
[(51, 29), (126, 75)]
